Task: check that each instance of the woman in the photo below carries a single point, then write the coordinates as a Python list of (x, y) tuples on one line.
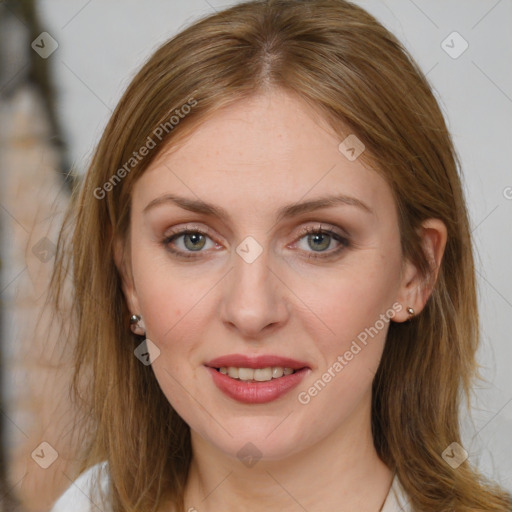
[(275, 290)]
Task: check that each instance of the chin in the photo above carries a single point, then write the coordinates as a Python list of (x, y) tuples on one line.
[(262, 438)]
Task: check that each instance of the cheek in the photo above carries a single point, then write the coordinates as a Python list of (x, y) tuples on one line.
[(358, 311), (356, 306), (351, 301), (174, 308), (168, 296)]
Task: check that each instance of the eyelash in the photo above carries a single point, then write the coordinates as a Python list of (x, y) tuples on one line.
[(310, 230)]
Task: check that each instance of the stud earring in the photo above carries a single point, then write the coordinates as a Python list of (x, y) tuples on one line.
[(137, 325), (410, 311)]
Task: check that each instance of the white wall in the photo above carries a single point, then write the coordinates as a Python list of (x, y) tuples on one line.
[(102, 44)]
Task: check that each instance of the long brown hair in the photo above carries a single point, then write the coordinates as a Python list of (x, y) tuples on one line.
[(359, 77)]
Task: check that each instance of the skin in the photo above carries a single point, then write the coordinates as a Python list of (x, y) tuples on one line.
[(252, 158)]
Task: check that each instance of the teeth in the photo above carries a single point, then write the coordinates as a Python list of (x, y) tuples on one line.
[(233, 372), (245, 373), (256, 374), (277, 372), (263, 374)]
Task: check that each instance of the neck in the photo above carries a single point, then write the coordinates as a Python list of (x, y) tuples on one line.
[(341, 473)]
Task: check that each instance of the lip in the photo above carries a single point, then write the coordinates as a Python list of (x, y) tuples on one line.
[(263, 361), (256, 392)]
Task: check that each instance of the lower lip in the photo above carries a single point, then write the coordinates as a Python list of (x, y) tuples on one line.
[(256, 392)]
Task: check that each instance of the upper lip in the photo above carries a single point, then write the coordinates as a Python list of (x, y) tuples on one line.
[(263, 361)]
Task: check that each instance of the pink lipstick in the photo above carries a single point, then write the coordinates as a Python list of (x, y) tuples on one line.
[(256, 379)]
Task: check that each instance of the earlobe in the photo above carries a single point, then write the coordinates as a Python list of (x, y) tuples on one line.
[(415, 288), (137, 325), (408, 296)]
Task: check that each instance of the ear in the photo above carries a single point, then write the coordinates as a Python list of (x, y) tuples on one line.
[(415, 288), (123, 264)]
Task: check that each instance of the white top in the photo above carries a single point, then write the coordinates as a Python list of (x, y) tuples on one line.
[(82, 497)]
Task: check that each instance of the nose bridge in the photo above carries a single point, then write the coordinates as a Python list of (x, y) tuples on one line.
[(253, 298)]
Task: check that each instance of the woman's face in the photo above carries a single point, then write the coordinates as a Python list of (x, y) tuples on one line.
[(249, 287)]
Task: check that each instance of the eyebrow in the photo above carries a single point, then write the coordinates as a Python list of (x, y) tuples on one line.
[(288, 211)]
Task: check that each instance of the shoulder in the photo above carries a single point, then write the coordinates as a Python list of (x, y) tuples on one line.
[(83, 495), (397, 500)]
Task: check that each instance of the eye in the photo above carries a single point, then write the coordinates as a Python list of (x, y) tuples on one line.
[(320, 239), (188, 241)]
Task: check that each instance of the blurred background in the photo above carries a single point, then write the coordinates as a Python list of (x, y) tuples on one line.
[(63, 66)]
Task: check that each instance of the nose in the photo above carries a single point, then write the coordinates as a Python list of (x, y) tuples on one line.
[(254, 299)]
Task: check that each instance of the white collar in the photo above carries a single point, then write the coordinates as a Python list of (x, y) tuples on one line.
[(396, 500)]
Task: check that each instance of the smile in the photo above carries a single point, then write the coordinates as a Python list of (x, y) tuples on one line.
[(255, 374), (256, 379)]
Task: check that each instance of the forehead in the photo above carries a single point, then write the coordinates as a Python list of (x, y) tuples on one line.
[(259, 154)]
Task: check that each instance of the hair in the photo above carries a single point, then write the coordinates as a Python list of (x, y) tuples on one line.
[(362, 81)]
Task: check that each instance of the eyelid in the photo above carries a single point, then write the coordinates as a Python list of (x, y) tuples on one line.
[(322, 226), (189, 227)]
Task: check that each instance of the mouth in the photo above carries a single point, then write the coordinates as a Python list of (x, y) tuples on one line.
[(257, 379)]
